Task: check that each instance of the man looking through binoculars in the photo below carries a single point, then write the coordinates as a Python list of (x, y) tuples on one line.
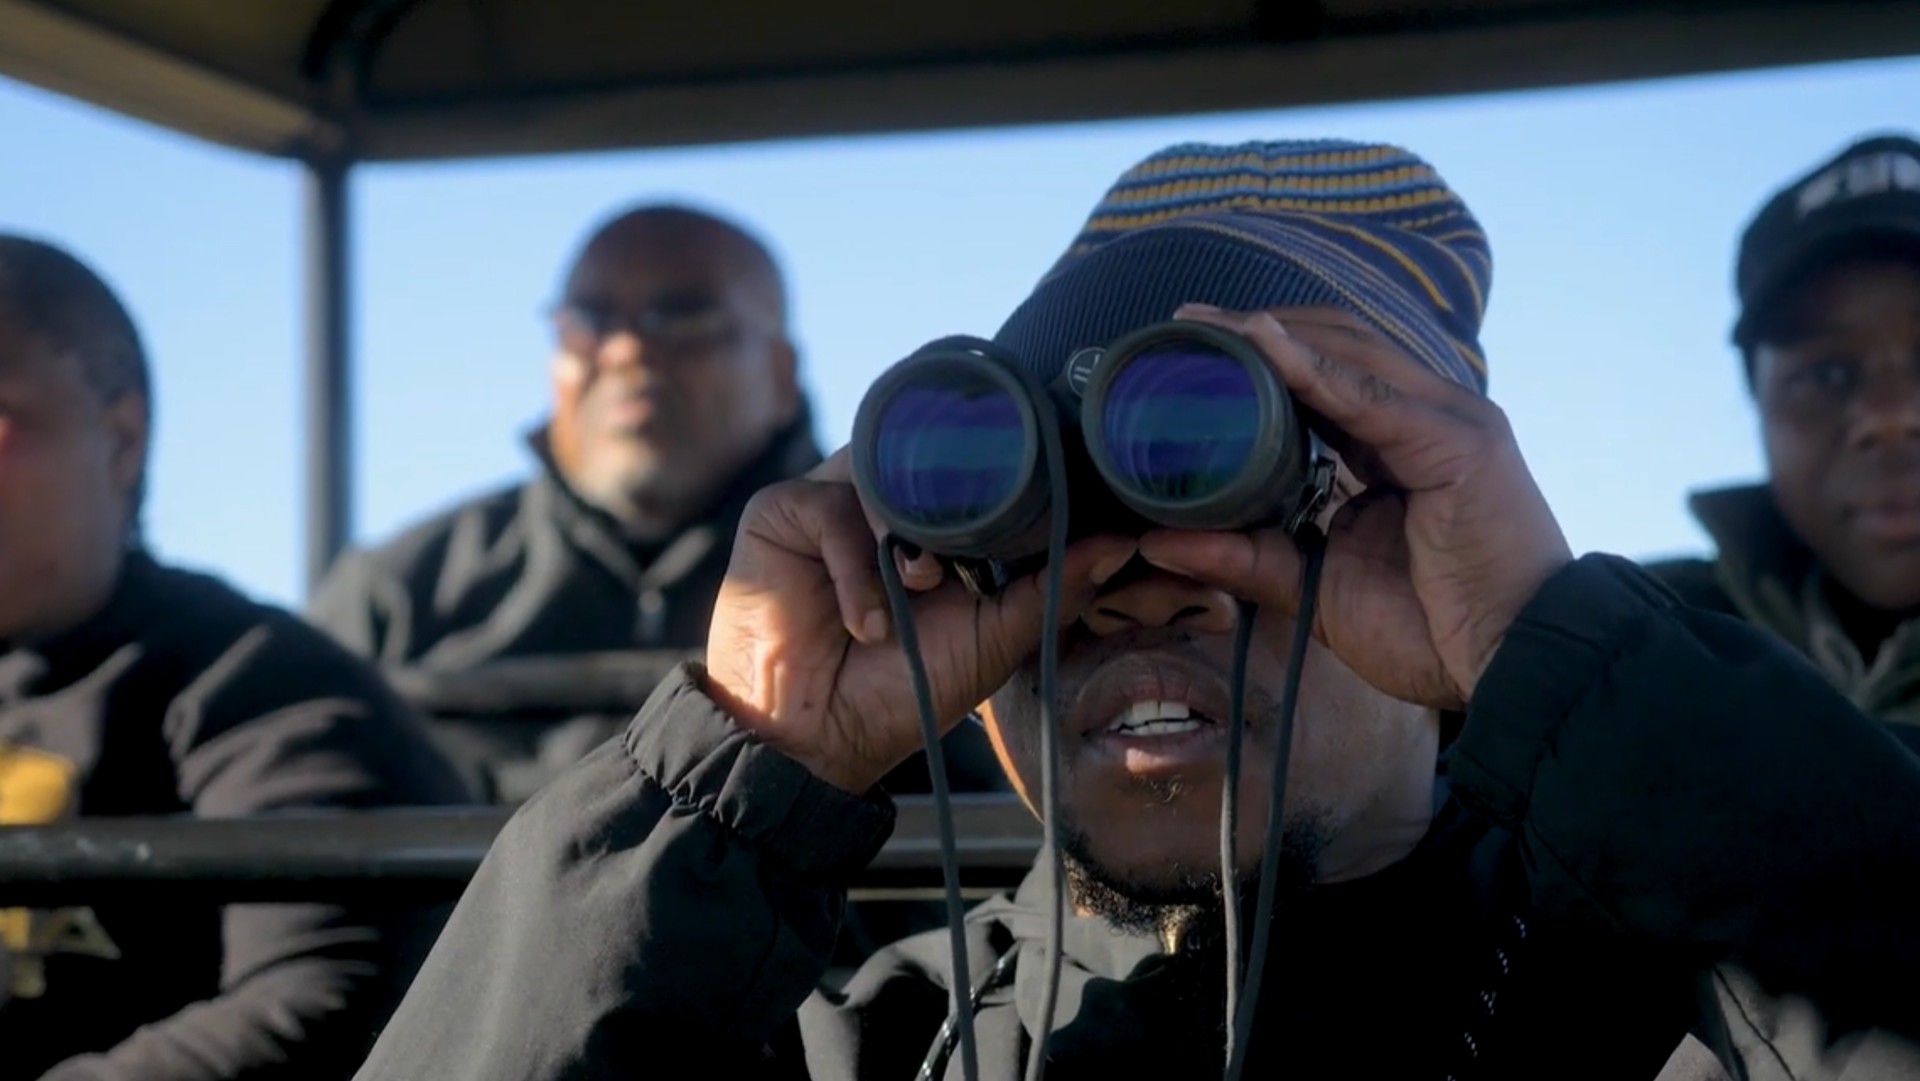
[(1639, 790)]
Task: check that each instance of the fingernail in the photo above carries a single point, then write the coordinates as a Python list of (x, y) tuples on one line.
[(1198, 309), (1108, 567), (908, 549), (1160, 559), (1273, 324), (1169, 563), (874, 627)]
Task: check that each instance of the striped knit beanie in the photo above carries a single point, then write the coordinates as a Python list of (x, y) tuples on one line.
[(1368, 228)]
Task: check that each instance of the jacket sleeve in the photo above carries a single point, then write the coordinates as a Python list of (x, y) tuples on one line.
[(1686, 777), (352, 603), (283, 721), (677, 893)]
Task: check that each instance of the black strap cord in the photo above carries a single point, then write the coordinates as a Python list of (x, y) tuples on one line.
[(1056, 460), (942, 802), (1243, 1006), (1242, 996), (1242, 1001), (1054, 453)]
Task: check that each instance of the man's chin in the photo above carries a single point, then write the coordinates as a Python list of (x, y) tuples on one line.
[(1142, 899), (1141, 904)]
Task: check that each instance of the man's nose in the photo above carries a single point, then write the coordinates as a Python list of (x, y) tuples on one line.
[(1143, 598), (621, 348), (1887, 411)]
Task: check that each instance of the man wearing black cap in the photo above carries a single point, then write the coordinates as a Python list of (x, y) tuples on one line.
[(1826, 552), (1639, 789)]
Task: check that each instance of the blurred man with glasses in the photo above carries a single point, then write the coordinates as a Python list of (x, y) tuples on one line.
[(676, 396)]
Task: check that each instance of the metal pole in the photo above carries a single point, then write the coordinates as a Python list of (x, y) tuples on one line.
[(414, 854), (329, 405)]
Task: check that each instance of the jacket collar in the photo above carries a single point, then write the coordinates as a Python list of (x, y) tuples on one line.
[(1099, 958), (1776, 582), (791, 452), (1760, 562), (60, 658)]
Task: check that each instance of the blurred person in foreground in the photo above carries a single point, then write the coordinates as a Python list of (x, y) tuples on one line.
[(128, 687), (676, 396), (1825, 552), (1638, 789)]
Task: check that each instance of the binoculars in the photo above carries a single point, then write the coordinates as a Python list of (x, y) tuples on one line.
[(1179, 424)]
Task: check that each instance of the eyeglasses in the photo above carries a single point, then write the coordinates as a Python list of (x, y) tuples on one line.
[(673, 325)]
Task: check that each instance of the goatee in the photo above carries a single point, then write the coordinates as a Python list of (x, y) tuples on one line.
[(1183, 899)]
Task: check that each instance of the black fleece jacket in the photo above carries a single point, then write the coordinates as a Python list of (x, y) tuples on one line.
[(1640, 790), (182, 697)]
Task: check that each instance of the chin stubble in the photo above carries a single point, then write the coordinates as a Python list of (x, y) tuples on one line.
[(1181, 897)]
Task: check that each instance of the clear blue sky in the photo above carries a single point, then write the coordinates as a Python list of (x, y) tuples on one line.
[(1613, 214)]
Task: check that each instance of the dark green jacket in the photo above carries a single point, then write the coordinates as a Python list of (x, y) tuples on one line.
[(1762, 573), (1765, 575)]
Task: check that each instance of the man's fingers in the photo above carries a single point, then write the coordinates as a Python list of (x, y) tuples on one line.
[(838, 468), (919, 571), (973, 645), (1369, 406), (1010, 623), (1368, 350), (830, 517), (1262, 566), (1369, 400), (1087, 565)]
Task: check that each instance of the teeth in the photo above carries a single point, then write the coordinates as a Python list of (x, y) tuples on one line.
[(1157, 711), (1161, 728), (1155, 719)]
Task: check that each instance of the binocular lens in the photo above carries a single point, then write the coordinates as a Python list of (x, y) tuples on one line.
[(1180, 422), (949, 447)]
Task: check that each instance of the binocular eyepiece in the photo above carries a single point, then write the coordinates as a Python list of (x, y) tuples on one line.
[(1179, 424)]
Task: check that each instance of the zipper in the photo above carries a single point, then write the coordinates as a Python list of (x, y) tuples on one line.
[(650, 616)]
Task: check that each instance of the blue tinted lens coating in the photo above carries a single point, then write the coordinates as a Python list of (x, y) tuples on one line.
[(949, 448), (1180, 421)]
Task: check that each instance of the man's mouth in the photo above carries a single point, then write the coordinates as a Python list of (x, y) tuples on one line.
[(1148, 693), (1155, 718), (1153, 713), (1892, 518), (631, 409)]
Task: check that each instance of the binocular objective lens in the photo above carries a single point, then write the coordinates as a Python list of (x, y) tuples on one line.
[(1180, 421), (948, 448)]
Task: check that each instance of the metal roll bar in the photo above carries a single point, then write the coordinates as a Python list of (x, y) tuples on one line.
[(512, 724), (610, 682), (414, 855)]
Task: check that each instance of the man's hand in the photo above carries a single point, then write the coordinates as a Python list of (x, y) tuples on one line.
[(802, 649), (1427, 568)]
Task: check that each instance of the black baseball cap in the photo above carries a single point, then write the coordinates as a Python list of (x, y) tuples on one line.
[(1865, 199)]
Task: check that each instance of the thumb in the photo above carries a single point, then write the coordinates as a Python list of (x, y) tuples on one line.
[(1011, 624), (1262, 566)]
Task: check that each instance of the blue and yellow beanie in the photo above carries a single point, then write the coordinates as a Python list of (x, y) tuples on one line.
[(1368, 228)]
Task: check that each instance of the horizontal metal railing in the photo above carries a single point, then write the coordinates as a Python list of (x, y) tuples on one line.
[(414, 855), (614, 681), (422, 854)]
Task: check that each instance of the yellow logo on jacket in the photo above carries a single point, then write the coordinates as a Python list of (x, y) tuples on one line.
[(36, 788)]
